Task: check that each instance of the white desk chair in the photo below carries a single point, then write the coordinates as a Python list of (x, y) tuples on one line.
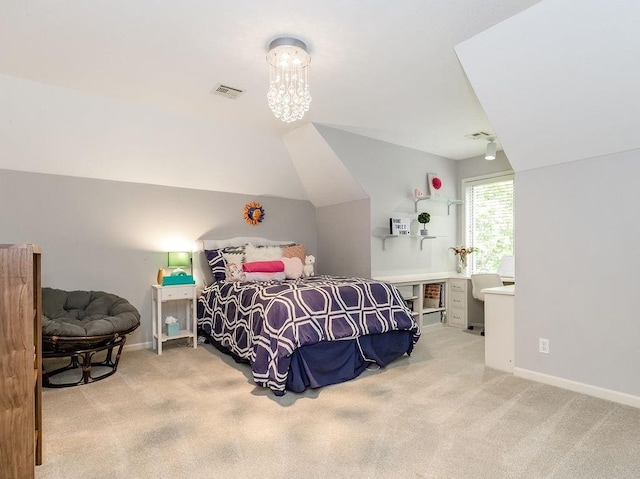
[(481, 281)]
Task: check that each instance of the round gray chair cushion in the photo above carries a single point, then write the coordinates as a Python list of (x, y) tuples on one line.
[(86, 313)]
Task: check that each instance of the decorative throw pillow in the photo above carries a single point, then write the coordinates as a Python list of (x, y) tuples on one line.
[(234, 272), (263, 267), (216, 263), (294, 251), (261, 253), (233, 262), (292, 267)]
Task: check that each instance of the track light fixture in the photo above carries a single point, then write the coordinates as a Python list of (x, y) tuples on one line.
[(491, 150)]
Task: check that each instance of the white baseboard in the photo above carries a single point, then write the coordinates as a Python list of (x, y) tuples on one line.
[(595, 391), (137, 346)]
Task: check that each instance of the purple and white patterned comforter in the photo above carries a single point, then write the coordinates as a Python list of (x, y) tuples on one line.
[(265, 322)]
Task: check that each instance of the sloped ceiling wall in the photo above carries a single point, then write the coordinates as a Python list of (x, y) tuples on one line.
[(559, 81), (54, 130), (393, 77), (49, 129), (324, 176)]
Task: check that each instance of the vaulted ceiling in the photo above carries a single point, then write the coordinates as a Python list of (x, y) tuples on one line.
[(120, 89), (386, 70)]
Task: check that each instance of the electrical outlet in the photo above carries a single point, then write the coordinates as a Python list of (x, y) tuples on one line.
[(544, 346)]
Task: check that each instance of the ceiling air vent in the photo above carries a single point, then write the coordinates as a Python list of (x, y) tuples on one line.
[(480, 135), (226, 91)]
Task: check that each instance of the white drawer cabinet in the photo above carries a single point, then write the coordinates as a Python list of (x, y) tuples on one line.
[(463, 310), (458, 300), (177, 292), (457, 317)]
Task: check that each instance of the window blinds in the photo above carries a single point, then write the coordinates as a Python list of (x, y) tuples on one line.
[(489, 221)]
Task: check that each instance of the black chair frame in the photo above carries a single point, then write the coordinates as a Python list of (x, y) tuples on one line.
[(81, 351)]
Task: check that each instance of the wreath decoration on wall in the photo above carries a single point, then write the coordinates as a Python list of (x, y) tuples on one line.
[(253, 213)]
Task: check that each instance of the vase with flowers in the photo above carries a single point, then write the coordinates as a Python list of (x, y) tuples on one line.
[(462, 252)]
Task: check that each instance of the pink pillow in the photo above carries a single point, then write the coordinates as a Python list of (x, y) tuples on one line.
[(263, 267), (292, 267)]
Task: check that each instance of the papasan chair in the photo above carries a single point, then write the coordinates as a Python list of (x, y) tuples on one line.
[(79, 324)]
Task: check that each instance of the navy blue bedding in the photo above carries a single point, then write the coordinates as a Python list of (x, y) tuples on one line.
[(308, 332)]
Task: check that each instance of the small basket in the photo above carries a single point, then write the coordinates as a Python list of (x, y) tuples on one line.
[(432, 303), (432, 294)]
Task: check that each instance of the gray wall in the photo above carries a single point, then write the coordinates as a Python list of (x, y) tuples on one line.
[(389, 174), (478, 166), (344, 239), (113, 236), (577, 240)]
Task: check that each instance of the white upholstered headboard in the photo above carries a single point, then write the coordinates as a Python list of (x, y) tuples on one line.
[(201, 270)]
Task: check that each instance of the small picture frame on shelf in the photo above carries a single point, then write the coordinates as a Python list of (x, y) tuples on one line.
[(434, 184)]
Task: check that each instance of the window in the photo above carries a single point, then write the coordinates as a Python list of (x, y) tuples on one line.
[(489, 220)]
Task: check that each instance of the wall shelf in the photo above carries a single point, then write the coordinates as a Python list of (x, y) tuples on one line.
[(449, 201), (384, 238)]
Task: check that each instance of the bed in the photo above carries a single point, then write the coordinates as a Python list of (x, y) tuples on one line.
[(299, 332)]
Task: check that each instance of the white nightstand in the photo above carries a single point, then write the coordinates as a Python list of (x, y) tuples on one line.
[(162, 294)]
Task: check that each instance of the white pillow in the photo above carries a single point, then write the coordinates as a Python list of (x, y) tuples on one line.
[(279, 276), (263, 253)]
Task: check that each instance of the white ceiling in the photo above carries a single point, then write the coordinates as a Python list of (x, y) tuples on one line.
[(569, 88), (387, 70)]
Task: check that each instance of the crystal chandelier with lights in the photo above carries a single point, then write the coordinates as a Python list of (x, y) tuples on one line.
[(288, 95)]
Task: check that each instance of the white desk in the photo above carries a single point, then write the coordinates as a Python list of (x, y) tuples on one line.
[(457, 307), (499, 326)]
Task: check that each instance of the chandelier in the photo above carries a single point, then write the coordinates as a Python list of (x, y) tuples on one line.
[(288, 95)]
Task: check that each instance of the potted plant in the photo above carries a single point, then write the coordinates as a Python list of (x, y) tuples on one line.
[(424, 218)]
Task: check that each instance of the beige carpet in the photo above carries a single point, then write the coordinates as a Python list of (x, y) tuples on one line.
[(438, 414)]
